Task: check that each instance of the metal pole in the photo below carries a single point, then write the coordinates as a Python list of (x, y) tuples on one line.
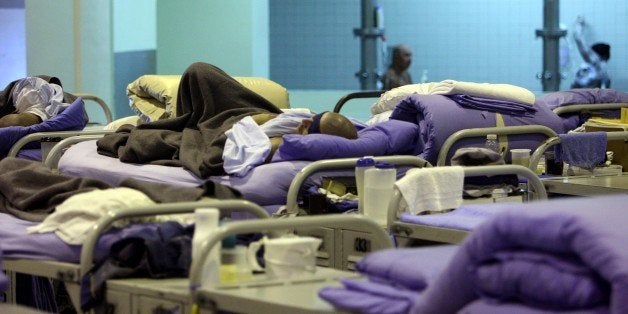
[(369, 33), (551, 33)]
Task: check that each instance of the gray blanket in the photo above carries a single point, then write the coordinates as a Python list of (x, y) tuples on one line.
[(31, 191), (209, 102)]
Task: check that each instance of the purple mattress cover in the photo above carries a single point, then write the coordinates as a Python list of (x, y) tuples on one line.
[(465, 217), (16, 243), (30, 154), (265, 185)]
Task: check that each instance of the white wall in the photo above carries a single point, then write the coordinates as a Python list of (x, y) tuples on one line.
[(71, 39), (13, 47)]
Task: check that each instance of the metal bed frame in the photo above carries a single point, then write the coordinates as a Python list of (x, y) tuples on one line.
[(477, 132), (406, 230), (257, 294), (54, 137), (262, 295), (71, 274)]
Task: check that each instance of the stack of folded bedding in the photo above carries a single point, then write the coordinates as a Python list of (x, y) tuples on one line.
[(557, 255)]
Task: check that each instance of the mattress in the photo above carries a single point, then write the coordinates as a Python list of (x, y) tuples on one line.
[(265, 185)]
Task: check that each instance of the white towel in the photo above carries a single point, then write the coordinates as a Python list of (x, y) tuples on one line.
[(73, 219), (486, 90), (432, 189)]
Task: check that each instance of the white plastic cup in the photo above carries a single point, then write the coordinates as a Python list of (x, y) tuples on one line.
[(378, 190), (361, 166), (520, 156)]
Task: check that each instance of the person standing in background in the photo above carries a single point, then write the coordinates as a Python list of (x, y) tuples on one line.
[(591, 74), (397, 73)]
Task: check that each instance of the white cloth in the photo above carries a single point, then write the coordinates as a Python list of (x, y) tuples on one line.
[(432, 189), (285, 123), (73, 219), (486, 90), (35, 95), (247, 146), (390, 99)]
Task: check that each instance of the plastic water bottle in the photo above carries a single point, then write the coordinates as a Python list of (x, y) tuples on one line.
[(378, 190), (491, 142), (423, 76), (205, 222), (361, 165)]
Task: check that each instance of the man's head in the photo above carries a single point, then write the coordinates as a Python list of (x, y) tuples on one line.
[(603, 50), (401, 57), (328, 123)]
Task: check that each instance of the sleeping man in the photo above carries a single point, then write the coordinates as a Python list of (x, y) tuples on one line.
[(254, 140), (209, 104), (30, 101)]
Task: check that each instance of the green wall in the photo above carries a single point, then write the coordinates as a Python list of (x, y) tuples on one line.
[(232, 34)]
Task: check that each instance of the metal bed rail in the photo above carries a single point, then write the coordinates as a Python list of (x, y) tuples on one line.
[(50, 136), (587, 108), (477, 132), (446, 235), (54, 155), (71, 273), (362, 94), (381, 239), (101, 103), (337, 164)]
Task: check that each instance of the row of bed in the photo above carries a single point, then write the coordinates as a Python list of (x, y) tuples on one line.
[(567, 242)]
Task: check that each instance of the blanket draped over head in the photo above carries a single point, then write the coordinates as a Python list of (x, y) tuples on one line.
[(6, 96), (209, 102)]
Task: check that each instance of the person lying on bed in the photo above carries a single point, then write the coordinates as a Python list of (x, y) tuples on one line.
[(209, 103), (254, 140), (31, 100)]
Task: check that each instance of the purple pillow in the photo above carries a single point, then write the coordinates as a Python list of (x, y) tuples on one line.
[(70, 119), (386, 138)]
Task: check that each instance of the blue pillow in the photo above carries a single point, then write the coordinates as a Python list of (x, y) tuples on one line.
[(386, 138), (70, 119)]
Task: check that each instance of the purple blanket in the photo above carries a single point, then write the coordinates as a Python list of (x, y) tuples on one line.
[(70, 119), (580, 96), (440, 116), (566, 254)]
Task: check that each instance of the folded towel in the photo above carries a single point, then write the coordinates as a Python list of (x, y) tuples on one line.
[(485, 90), (585, 150), (432, 189)]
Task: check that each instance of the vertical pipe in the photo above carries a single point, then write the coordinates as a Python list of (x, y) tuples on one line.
[(76, 31), (369, 53), (551, 33)]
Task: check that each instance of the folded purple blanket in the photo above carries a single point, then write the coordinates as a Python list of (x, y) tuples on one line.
[(494, 105), (392, 283), (486, 306), (557, 255), (583, 237)]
